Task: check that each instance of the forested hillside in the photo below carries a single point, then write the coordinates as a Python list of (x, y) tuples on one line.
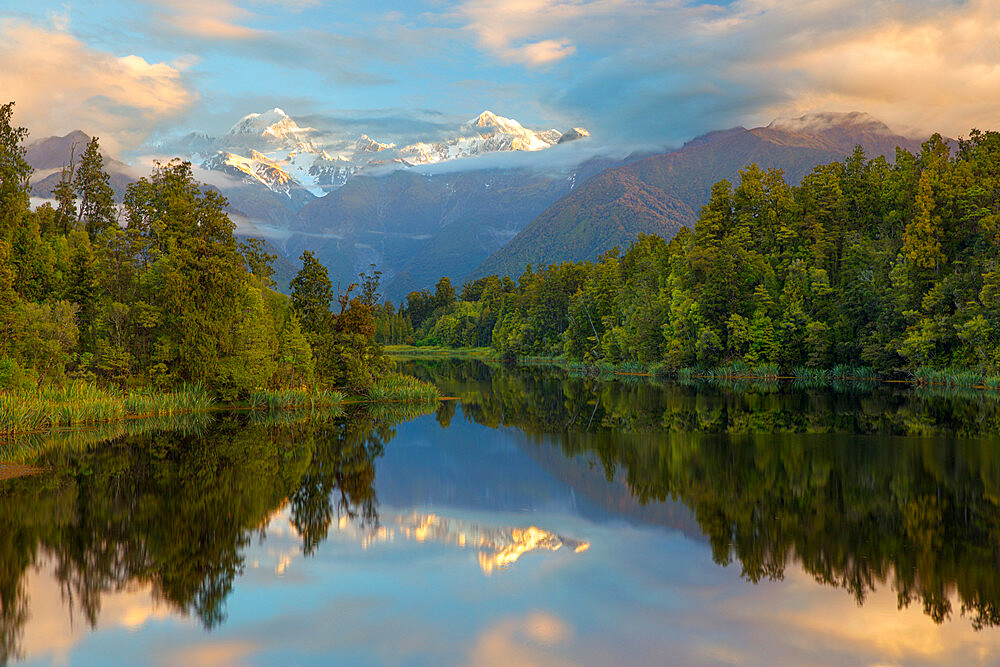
[(614, 206), (665, 190), (892, 266), (157, 293)]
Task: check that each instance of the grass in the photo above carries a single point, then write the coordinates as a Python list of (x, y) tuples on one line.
[(79, 403), (285, 399), (741, 370), (952, 377), (847, 372), (189, 398), (402, 388), (86, 403), (439, 350)]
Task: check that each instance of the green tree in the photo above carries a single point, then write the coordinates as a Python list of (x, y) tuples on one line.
[(14, 172), (312, 295), (260, 263), (444, 293), (93, 187)]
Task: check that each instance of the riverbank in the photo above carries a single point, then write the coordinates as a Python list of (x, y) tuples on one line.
[(739, 370), (79, 403), (439, 350)]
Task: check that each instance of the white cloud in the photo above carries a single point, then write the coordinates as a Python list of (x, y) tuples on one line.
[(524, 31), (670, 69), (59, 84)]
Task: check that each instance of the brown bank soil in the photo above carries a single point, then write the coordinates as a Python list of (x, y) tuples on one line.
[(12, 470)]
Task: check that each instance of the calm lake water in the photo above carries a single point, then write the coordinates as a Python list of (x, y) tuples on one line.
[(541, 519)]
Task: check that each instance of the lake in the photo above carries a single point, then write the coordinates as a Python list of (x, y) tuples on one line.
[(541, 517)]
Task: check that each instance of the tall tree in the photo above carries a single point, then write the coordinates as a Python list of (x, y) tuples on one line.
[(444, 293), (312, 294), (260, 263), (14, 172), (93, 186), (65, 196)]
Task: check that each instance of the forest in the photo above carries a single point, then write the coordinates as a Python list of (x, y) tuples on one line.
[(888, 268), (100, 300)]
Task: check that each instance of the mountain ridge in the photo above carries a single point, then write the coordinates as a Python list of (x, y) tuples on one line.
[(676, 184), (306, 159)]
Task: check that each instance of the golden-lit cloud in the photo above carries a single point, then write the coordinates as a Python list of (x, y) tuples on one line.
[(207, 653), (941, 72), (56, 627), (216, 20), (665, 67), (520, 31), (60, 84), (878, 629)]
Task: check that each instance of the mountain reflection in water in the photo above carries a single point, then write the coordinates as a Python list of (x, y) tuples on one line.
[(864, 485), (871, 490), (498, 547)]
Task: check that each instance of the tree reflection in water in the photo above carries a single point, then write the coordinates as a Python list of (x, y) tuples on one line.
[(864, 485), (176, 508)]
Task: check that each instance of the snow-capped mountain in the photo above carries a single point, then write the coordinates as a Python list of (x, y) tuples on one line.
[(258, 167), (272, 149), (486, 133), (272, 128)]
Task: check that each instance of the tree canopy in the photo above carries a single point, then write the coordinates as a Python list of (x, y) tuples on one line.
[(892, 266)]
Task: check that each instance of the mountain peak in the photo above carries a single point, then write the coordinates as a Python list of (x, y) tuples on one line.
[(55, 152), (274, 122), (489, 120), (486, 118), (366, 144), (573, 135)]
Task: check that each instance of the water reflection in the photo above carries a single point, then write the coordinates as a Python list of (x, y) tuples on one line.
[(870, 487), (498, 547), (173, 510), (889, 495)]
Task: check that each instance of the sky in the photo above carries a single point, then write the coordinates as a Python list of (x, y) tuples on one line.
[(633, 72)]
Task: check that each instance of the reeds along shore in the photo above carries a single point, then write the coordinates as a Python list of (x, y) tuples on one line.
[(86, 403), (284, 399), (402, 388)]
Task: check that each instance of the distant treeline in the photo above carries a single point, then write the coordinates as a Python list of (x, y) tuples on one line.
[(891, 266), (157, 292)]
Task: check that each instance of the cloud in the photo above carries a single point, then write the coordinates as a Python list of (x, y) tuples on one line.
[(939, 72), (218, 19), (60, 84), (395, 125), (512, 29), (667, 69), (290, 5)]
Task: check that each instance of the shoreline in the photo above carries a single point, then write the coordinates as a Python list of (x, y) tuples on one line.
[(85, 403), (738, 371)]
